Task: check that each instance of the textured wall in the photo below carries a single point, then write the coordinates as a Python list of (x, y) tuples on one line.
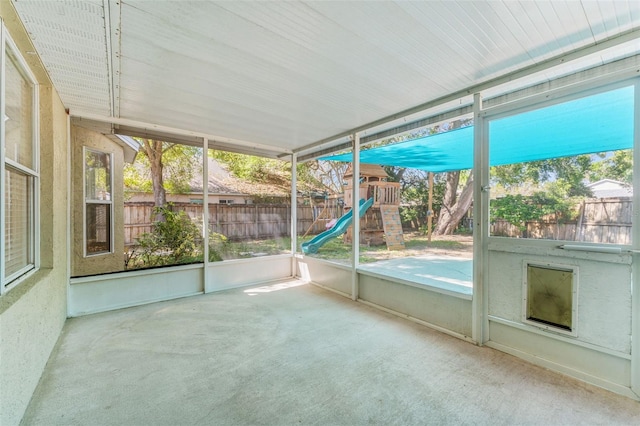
[(32, 313), (96, 264), (604, 296)]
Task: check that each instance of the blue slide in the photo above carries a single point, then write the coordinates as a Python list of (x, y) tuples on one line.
[(339, 228)]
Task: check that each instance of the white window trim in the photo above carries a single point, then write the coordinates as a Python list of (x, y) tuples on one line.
[(101, 202), (8, 282)]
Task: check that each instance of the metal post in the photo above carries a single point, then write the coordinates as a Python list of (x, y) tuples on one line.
[(479, 315), (205, 214), (430, 207), (294, 203), (355, 216), (635, 241)]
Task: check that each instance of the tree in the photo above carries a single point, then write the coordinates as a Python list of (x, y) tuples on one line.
[(519, 209), (162, 166), (454, 207), (617, 165), (318, 175)]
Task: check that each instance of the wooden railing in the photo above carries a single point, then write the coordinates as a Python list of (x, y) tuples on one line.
[(383, 193)]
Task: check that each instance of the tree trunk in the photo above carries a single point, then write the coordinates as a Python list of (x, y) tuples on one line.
[(153, 150), (450, 215), (451, 189)]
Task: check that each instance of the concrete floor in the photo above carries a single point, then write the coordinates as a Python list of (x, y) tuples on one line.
[(292, 353), (445, 272)]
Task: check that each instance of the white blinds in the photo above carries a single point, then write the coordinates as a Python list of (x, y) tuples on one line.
[(18, 207)]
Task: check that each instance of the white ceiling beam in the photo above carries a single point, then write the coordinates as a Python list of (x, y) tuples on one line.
[(112, 23), (214, 140)]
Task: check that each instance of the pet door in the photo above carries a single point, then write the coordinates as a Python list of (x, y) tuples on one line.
[(549, 297)]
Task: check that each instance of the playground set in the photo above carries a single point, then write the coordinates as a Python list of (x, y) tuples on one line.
[(379, 208)]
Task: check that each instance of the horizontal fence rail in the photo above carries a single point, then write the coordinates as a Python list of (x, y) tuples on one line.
[(236, 222)]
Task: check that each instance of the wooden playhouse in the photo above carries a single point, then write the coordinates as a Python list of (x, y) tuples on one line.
[(381, 223)]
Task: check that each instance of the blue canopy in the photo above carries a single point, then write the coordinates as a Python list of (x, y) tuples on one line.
[(598, 123)]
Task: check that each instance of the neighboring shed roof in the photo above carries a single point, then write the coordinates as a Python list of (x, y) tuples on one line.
[(609, 188)]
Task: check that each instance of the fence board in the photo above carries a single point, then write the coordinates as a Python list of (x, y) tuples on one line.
[(236, 222), (600, 221)]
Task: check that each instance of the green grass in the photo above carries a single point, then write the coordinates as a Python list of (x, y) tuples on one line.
[(334, 249)]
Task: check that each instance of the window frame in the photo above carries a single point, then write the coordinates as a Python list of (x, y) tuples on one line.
[(548, 99), (86, 201), (7, 282)]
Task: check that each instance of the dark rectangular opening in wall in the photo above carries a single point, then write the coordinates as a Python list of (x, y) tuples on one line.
[(549, 297)]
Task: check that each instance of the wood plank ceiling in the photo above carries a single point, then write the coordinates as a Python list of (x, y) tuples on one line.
[(282, 75)]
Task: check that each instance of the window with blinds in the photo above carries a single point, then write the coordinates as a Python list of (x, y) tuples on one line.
[(98, 205), (19, 168)]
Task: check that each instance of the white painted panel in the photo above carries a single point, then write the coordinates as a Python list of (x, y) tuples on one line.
[(326, 274), (602, 369), (604, 293), (444, 311), (114, 291), (244, 272)]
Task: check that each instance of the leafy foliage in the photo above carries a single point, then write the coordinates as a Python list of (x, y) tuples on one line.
[(567, 173), (175, 240), (180, 164), (618, 166), (252, 168), (218, 246), (519, 209)]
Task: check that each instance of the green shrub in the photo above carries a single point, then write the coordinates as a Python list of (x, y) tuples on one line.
[(218, 245), (173, 240)]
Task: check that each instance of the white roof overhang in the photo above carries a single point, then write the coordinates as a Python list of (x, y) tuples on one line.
[(273, 78)]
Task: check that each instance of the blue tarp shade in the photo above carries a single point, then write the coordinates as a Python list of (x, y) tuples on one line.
[(598, 123)]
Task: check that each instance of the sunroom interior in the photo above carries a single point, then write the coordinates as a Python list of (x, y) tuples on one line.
[(313, 81)]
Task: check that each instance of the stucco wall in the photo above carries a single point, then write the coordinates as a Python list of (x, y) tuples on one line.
[(110, 262), (33, 312)]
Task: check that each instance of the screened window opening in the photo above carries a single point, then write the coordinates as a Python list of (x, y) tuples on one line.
[(565, 171), (98, 205)]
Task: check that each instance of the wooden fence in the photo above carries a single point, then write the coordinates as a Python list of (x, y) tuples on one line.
[(235, 221), (605, 220)]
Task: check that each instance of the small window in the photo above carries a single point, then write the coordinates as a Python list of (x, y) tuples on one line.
[(549, 297), (98, 203)]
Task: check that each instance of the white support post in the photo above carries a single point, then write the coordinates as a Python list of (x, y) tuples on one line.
[(479, 313), (355, 217), (294, 212), (635, 241), (69, 212), (2, 154), (205, 214)]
